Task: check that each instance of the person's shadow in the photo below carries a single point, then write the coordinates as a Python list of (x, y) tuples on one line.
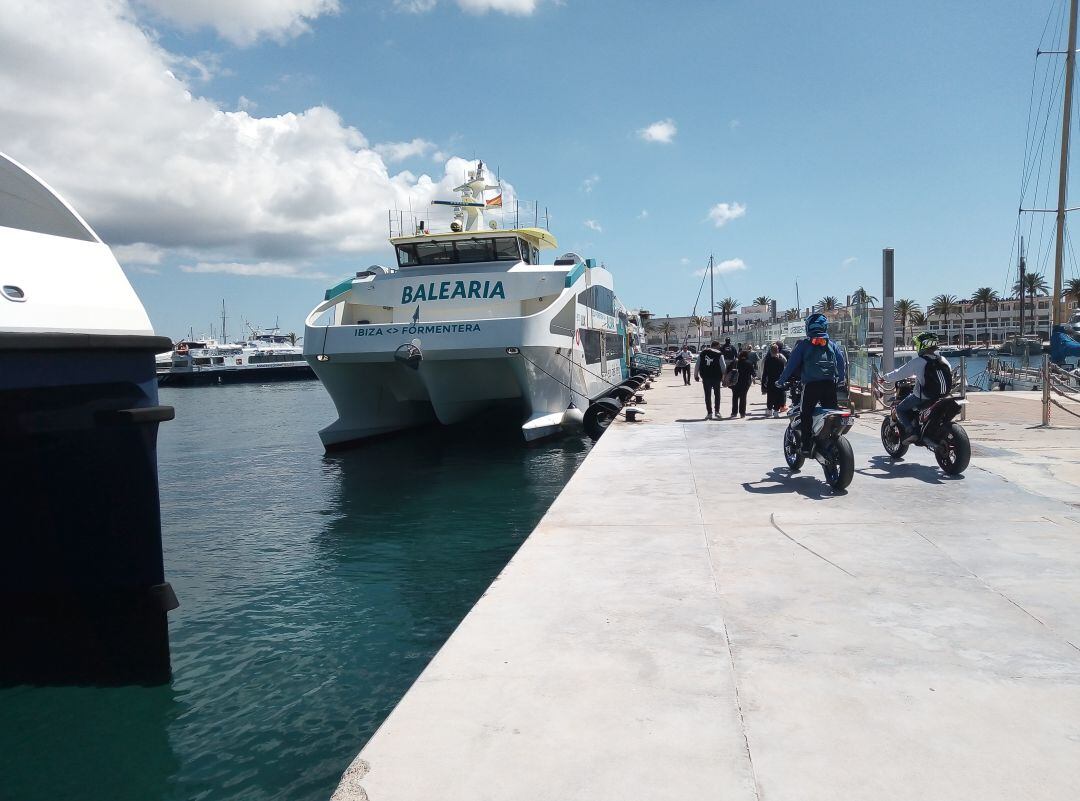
[(781, 480), (882, 466)]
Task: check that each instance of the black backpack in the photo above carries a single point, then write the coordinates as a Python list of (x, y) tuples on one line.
[(937, 379)]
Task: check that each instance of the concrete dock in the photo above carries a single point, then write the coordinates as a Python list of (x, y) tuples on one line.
[(689, 621)]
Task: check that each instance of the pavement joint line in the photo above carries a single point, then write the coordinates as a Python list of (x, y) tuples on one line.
[(995, 590), (772, 519)]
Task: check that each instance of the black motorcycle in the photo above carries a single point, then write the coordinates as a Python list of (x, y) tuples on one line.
[(936, 429), (830, 446)]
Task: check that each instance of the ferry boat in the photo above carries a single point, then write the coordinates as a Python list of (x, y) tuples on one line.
[(82, 580), (266, 356), (468, 318)]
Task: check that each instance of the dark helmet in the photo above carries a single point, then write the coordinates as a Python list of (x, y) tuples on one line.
[(927, 340), (817, 325)]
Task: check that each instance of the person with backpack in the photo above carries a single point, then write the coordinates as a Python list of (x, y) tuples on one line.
[(728, 350), (822, 367), (709, 370), (771, 370), (740, 384), (933, 380)]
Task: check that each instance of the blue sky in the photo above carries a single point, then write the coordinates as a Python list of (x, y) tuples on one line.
[(249, 150)]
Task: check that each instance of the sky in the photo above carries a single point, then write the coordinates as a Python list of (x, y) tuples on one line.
[(249, 150)]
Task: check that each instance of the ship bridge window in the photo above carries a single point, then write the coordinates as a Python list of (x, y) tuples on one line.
[(599, 298), (28, 205), (461, 251)]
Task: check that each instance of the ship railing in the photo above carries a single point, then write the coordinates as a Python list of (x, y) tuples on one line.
[(436, 219)]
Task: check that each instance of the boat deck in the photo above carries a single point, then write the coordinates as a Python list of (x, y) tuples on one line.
[(688, 621)]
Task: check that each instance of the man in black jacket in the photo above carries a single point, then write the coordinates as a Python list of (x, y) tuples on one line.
[(709, 370)]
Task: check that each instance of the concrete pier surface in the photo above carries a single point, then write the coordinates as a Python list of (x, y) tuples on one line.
[(689, 621)]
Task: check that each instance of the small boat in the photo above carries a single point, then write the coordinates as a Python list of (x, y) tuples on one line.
[(469, 318), (266, 356)]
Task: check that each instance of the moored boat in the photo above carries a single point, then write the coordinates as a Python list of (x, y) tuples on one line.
[(468, 318), (82, 579)]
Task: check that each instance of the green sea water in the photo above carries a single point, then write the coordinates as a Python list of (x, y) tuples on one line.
[(313, 590)]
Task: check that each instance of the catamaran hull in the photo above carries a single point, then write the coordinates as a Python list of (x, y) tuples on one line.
[(376, 394)]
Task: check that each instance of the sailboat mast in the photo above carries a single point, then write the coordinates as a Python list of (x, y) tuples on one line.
[(712, 301), (1056, 304)]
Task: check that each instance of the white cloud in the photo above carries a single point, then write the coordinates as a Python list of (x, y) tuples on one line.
[(735, 124), (594, 225), (590, 182), (848, 261), (726, 266), (263, 268), (643, 215), (246, 104), (685, 260), (244, 21), (138, 253), (99, 114), (521, 8), (399, 151), (723, 213), (660, 131)]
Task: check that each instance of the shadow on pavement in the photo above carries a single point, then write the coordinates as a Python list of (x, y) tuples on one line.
[(781, 480), (882, 466)]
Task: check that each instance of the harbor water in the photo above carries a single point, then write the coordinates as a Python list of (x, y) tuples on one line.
[(314, 589)]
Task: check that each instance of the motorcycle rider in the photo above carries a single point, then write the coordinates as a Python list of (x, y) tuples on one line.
[(822, 366), (933, 379)]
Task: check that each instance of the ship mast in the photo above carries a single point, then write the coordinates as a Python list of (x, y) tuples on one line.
[(1057, 306)]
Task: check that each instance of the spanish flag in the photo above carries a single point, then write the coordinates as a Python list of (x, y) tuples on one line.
[(495, 202)]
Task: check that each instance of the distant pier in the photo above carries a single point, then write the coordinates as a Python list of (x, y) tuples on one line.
[(689, 621)]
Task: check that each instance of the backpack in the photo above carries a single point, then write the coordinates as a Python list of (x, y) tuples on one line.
[(819, 363), (937, 379), (731, 377)]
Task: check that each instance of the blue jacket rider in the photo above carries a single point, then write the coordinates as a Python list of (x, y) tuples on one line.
[(822, 366)]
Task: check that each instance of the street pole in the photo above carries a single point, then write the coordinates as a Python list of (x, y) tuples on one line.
[(888, 324), (712, 301)]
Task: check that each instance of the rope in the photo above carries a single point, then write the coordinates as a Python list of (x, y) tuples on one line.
[(1064, 408)]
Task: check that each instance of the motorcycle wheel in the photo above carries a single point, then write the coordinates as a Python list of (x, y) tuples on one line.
[(792, 455), (838, 473), (892, 438), (954, 453)]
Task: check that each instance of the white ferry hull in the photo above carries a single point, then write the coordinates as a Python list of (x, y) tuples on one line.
[(375, 394)]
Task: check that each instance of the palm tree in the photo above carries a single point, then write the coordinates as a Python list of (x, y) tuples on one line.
[(917, 317), (293, 338), (1034, 284), (666, 329), (904, 308), (792, 314), (940, 306), (984, 296), (762, 300), (698, 323), (727, 307), (864, 297), (1071, 290), (827, 304)]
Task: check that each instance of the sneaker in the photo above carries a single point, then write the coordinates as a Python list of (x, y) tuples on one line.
[(776, 414), (708, 415)]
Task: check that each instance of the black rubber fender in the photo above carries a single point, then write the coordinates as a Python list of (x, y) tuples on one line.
[(621, 393), (599, 416)]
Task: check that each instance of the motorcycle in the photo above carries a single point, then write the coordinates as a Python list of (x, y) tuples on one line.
[(830, 446), (935, 426)]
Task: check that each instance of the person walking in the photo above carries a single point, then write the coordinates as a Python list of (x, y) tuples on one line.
[(709, 370), (771, 370), (682, 364), (744, 377), (728, 351)]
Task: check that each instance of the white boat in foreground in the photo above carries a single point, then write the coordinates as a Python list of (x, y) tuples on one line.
[(266, 356), (468, 319)]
